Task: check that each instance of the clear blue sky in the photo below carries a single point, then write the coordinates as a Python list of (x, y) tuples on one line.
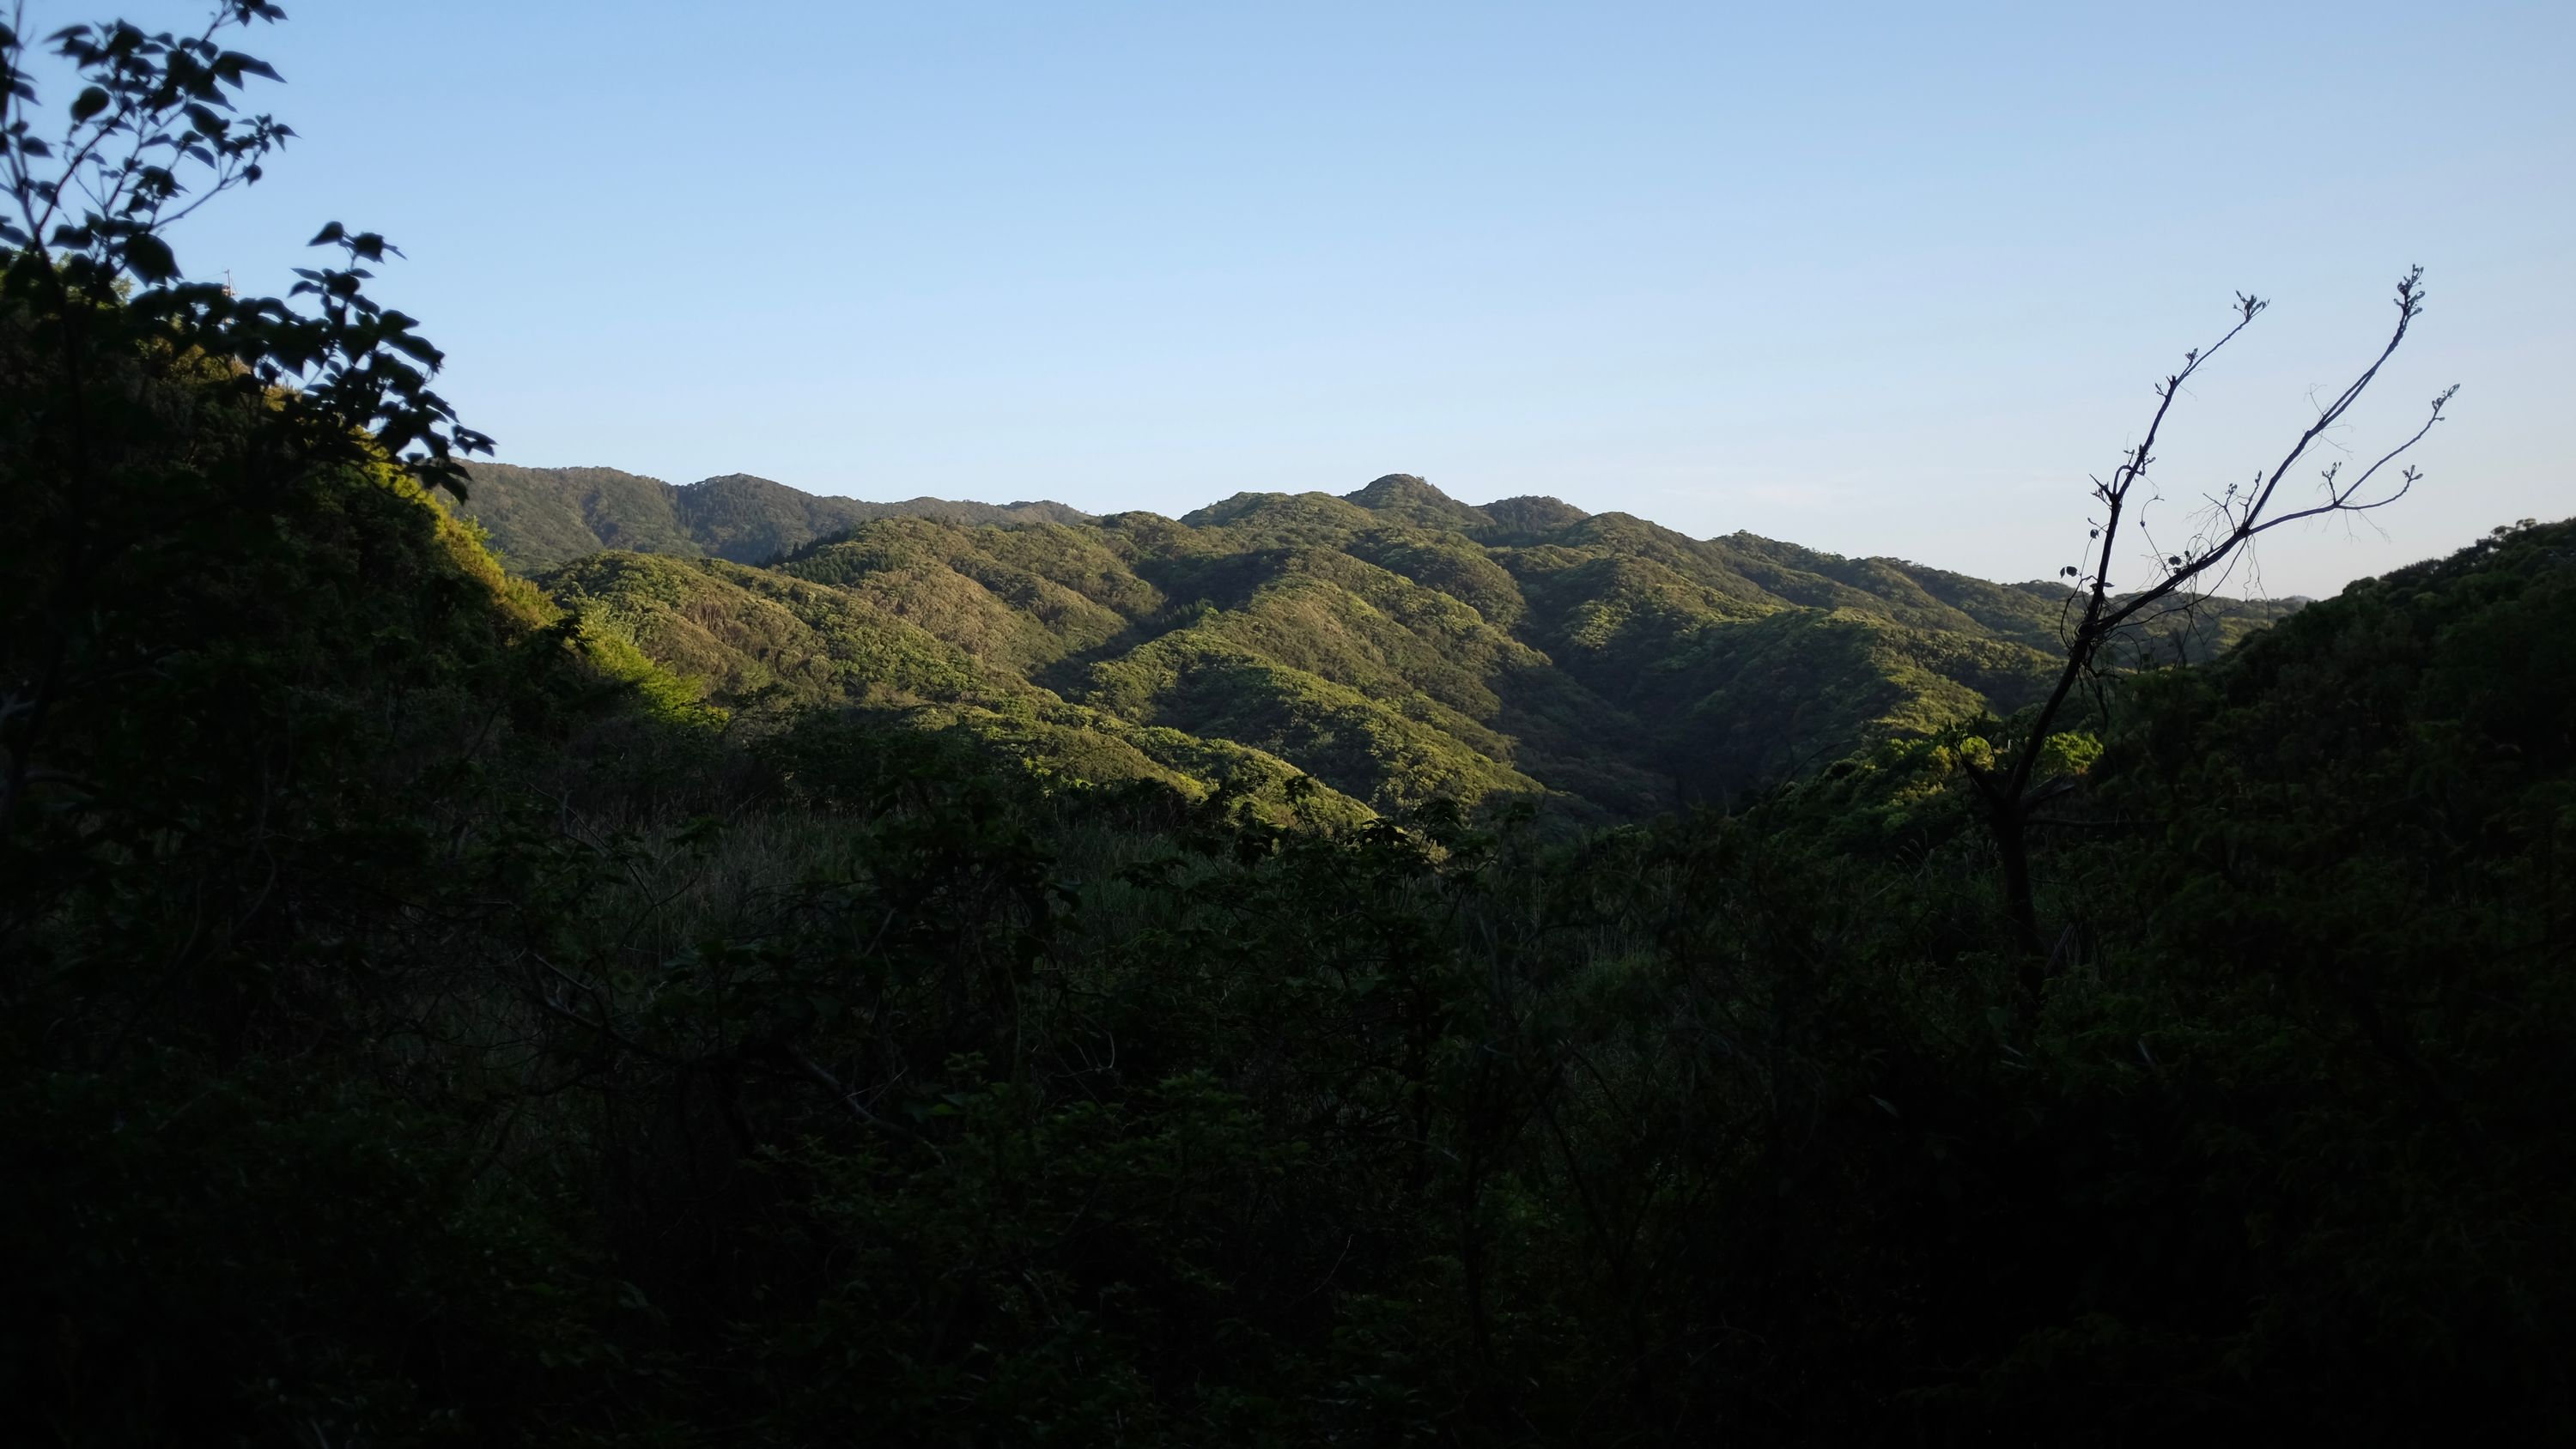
[(1883, 279)]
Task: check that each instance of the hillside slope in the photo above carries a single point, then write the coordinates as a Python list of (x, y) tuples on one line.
[(1393, 643)]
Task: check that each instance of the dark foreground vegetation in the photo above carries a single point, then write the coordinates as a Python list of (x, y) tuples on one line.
[(424, 1018)]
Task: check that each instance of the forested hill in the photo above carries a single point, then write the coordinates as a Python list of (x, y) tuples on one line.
[(1392, 643), (911, 985), (538, 517)]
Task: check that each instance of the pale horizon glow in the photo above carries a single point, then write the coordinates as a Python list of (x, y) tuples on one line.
[(1874, 279)]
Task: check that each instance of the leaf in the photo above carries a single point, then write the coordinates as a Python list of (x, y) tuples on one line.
[(149, 257), (329, 233), (89, 103), (417, 347), (232, 65)]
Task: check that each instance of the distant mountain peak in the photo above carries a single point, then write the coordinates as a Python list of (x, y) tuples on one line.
[(1408, 496), (1534, 513), (1392, 487)]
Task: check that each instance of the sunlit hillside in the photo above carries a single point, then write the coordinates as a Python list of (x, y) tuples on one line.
[(1394, 644)]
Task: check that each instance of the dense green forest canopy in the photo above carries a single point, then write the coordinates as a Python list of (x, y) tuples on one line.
[(540, 517), (1393, 644), (1118, 981)]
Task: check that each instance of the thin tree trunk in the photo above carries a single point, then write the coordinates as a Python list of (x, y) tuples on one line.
[(2012, 844)]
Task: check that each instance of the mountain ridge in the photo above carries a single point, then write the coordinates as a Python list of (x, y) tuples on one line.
[(1392, 643), (539, 517)]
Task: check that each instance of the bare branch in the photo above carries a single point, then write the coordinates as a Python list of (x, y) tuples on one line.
[(2234, 519)]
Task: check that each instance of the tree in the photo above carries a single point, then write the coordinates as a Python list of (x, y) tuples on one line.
[(2221, 532), (102, 336)]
